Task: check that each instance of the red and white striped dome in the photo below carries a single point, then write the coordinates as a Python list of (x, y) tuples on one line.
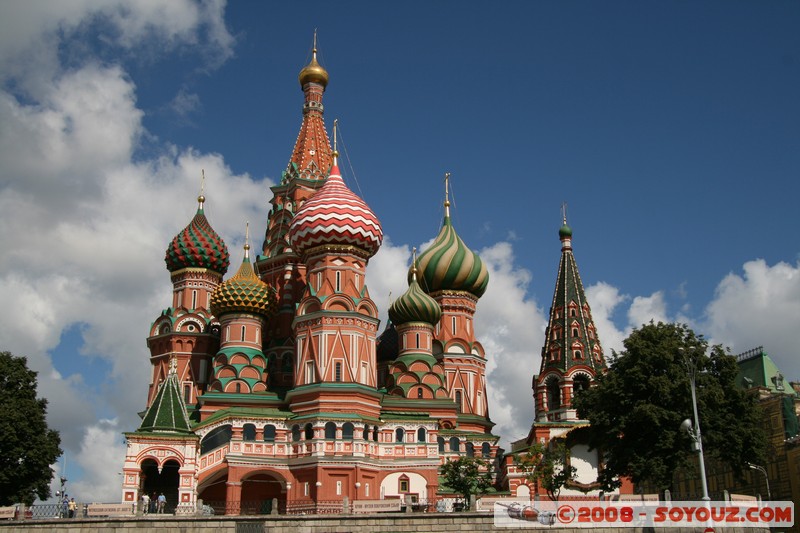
[(335, 215)]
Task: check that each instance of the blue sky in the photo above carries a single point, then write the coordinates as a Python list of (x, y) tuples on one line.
[(671, 130)]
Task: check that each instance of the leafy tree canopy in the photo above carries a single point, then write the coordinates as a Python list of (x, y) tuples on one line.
[(27, 446), (467, 476), (546, 465), (636, 408)]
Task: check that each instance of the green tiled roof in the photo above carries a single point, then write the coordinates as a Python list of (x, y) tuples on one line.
[(167, 413), (757, 369), (570, 327)]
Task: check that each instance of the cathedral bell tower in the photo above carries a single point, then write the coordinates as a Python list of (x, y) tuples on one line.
[(572, 355)]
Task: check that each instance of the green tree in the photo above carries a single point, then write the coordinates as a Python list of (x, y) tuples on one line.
[(467, 476), (636, 408), (27, 446), (546, 465)]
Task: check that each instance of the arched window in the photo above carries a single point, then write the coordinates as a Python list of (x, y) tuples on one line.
[(347, 431), (470, 449), (486, 450), (399, 433), (440, 442), (269, 433), (375, 433), (458, 401), (419, 392), (295, 433), (366, 432), (249, 432), (454, 444), (309, 431), (580, 383), (330, 430), (422, 435), (553, 393), (216, 438)]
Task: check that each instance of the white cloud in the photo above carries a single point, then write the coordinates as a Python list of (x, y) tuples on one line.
[(102, 445), (511, 329), (759, 308), (604, 299), (84, 226), (646, 308)]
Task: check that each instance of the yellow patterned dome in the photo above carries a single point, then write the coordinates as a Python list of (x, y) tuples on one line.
[(244, 293)]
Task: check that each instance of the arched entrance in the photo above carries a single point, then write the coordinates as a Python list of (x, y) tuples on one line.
[(259, 490), (159, 481), (212, 491)]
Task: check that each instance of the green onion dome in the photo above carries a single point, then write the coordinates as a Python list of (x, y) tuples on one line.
[(414, 305), (198, 246), (565, 231), (244, 293), (449, 265)]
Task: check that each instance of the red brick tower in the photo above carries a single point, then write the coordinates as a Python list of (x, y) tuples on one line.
[(280, 266)]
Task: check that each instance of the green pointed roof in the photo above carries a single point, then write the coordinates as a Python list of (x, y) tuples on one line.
[(571, 337), (167, 413)]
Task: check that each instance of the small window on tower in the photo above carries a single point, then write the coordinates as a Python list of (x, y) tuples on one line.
[(454, 325), (337, 372), (194, 299), (187, 393), (244, 329), (338, 281)]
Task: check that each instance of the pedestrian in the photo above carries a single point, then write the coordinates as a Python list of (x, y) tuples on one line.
[(64, 506), (72, 507), (145, 503), (162, 503), (153, 502)]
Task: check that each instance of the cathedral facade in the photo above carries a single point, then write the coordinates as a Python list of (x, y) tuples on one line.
[(277, 384)]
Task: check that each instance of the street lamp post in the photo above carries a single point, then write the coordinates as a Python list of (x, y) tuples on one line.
[(686, 425), (766, 478)]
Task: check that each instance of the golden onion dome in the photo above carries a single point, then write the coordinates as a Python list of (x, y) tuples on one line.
[(313, 72)]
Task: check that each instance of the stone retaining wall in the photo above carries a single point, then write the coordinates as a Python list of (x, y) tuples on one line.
[(394, 522)]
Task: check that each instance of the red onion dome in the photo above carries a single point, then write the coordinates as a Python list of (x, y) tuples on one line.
[(198, 246), (335, 215), (244, 293)]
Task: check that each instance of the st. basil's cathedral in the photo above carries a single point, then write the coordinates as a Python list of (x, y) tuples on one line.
[(275, 384)]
